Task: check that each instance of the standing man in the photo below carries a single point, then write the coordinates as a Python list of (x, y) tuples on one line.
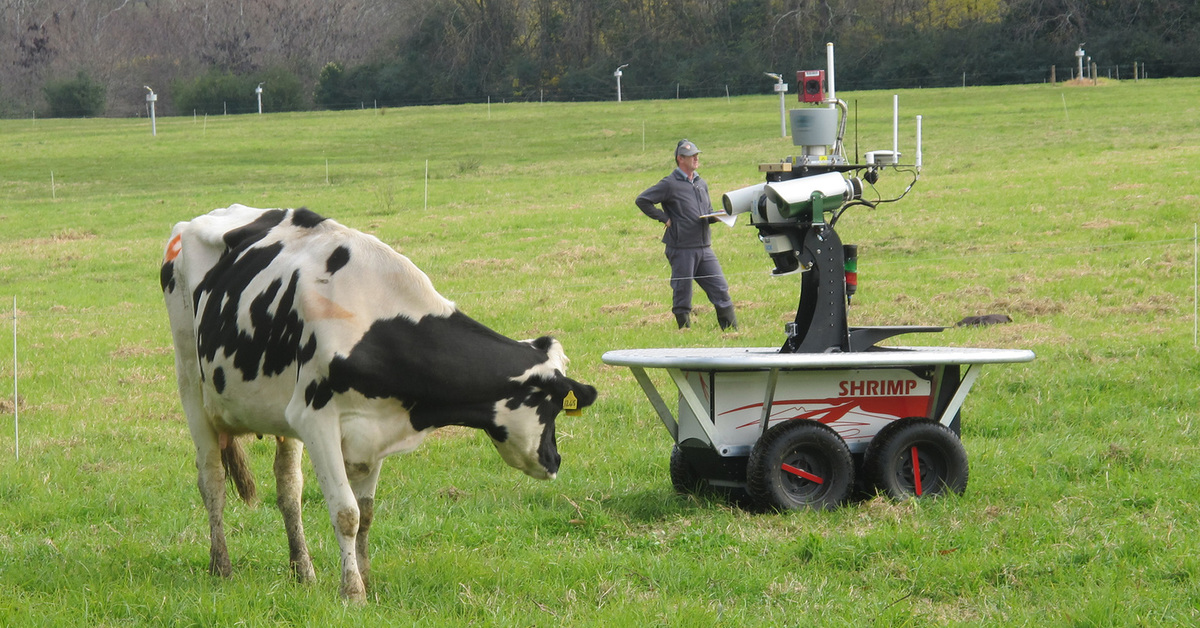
[(687, 212)]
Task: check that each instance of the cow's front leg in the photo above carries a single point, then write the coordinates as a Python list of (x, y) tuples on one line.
[(324, 449), (289, 484), (363, 480)]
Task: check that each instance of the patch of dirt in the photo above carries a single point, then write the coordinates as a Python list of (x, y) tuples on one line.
[(1031, 307), (1086, 83), (70, 235), (626, 307), (1103, 224), (129, 352)]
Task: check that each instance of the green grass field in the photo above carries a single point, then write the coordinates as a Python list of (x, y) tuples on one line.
[(1072, 209)]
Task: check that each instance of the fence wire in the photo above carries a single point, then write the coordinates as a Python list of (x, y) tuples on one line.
[(16, 315), (665, 278)]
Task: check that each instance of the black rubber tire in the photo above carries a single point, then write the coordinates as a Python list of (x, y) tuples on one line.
[(685, 481), (811, 449), (941, 460)]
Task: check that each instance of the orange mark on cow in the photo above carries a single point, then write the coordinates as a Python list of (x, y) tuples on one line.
[(318, 307), (174, 247)]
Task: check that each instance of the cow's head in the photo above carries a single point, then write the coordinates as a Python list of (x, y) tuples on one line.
[(525, 439)]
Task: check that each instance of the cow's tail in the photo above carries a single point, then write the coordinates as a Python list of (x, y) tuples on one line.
[(237, 469)]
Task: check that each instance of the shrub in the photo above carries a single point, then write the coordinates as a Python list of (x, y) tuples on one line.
[(282, 90), (349, 89), (215, 93), (220, 92), (79, 97), (331, 85)]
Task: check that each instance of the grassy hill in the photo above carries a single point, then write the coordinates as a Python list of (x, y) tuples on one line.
[(1070, 208)]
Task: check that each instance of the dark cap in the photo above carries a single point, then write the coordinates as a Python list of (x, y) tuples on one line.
[(686, 148)]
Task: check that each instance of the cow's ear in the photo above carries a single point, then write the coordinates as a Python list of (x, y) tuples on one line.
[(574, 396), (542, 344), (561, 386), (584, 393)]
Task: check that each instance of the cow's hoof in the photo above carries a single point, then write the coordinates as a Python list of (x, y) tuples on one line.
[(303, 570), (355, 596), (366, 578), (220, 566), (353, 589)]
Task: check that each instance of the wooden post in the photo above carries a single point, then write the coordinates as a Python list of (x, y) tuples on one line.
[(1052, 79)]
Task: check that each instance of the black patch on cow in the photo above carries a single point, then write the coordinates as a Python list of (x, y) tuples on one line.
[(308, 350), (250, 233), (480, 416), (277, 332), (548, 455), (272, 343), (528, 396), (225, 284), (452, 371), (218, 380), (166, 277), (339, 258), (317, 394), (306, 218), (442, 361), (449, 371), (232, 274)]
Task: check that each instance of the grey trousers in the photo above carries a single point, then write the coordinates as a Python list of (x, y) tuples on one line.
[(701, 265)]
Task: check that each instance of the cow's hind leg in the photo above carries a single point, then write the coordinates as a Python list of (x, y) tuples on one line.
[(289, 484), (211, 480)]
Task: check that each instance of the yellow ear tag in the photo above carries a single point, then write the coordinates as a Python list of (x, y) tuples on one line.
[(571, 404)]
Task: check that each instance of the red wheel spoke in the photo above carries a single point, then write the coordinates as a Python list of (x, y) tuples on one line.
[(916, 471), (802, 473)]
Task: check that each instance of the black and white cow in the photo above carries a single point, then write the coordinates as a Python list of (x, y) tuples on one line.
[(290, 324)]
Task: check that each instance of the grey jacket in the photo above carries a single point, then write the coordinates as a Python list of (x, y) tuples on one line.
[(683, 203)]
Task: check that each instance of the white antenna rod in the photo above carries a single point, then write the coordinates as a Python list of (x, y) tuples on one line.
[(829, 71), (896, 127), (918, 143), (16, 397)]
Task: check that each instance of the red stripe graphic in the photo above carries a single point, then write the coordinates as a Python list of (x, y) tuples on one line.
[(835, 409)]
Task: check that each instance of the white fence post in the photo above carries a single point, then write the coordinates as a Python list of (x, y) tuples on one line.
[(16, 404)]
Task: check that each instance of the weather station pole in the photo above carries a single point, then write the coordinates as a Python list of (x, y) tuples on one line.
[(781, 89), (152, 98), (618, 75)]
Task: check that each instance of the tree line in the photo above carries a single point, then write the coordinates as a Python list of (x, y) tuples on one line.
[(96, 57)]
